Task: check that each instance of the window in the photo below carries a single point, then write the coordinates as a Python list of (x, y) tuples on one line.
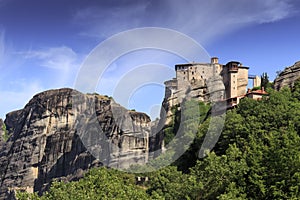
[(192, 73)]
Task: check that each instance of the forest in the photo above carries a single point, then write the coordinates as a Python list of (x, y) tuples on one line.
[(256, 157)]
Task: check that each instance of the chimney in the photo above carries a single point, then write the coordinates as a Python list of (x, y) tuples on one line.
[(263, 89)]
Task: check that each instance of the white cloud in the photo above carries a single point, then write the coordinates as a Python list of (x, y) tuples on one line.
[(101, 23), (63, 61), (6, 57), (62, 58), (281, 10), (204, 20)]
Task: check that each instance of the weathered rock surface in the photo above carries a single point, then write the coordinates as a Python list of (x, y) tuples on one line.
[(60, 133), (1, 133), (288, 76)]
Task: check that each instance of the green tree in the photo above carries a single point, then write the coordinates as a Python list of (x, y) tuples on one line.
[(265, 80), (168, 183), (98, 183), (296, 89), (215, 173)]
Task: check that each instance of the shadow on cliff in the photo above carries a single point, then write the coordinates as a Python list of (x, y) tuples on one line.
[(69, 166)]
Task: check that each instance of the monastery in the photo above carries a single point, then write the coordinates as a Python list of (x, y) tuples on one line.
[(211, 82)]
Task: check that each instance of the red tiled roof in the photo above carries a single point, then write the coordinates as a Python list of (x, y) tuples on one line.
[(258, 92)]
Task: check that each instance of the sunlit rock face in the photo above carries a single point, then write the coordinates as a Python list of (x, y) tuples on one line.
[(288, 76), (61, 133)]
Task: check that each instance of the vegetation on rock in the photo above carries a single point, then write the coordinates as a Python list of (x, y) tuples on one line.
[(5, 135)]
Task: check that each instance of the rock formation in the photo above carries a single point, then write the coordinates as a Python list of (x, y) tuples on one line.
[(288, 76), (1, 133), (60, 133)]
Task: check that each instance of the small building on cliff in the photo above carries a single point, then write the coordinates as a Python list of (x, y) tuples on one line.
[(256, 94)]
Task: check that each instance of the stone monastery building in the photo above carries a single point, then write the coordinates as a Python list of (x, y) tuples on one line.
[(209, 81)]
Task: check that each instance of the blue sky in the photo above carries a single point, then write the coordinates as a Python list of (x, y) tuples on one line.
[(44, 43)]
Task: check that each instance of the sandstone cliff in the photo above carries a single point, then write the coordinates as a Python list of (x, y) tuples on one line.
[(50, 137), (288, 76)]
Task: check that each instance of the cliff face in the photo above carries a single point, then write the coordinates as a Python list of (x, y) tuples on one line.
[(209, 90), (57, 136), (288, 76), (1, 133)]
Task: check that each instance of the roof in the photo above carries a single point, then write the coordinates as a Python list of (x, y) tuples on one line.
[(260, 92), (243, 67), (191, 64)]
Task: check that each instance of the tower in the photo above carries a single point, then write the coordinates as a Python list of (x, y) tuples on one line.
[(217, 68), (214, 60), (257, 81), (182, 75), (233, 68)]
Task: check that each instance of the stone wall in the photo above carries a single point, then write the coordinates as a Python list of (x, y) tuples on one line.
[(242, 81)]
